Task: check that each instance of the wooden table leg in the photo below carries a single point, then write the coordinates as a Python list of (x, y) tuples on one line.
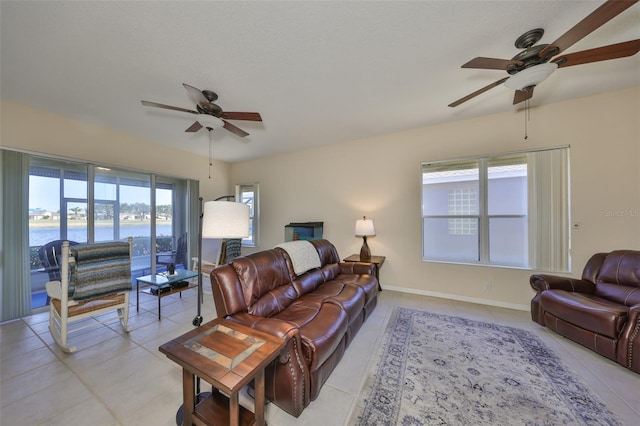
[(259, 398), (188, 396), (234, 410)]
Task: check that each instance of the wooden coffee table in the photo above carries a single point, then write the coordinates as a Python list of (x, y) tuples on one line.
[(228, 356)]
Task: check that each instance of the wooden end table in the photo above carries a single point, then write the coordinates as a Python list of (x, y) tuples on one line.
[(228, 356), (376, 260)]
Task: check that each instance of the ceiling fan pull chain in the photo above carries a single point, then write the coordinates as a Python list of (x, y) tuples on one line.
[(210, 152), (527, 116)]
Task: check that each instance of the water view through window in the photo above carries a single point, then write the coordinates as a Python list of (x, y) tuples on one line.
[(86, 204)]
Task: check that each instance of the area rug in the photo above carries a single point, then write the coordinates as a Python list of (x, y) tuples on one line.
[(443, 370)]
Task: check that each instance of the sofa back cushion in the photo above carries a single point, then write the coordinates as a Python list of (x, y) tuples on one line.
[(327, 252), (308, 282), (329, 268), (618, 278), (266, 282)]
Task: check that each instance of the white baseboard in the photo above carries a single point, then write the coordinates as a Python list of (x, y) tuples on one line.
[(488, 302)]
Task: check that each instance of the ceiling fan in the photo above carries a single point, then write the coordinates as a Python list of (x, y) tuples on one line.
[(537, 62), (209, 115)]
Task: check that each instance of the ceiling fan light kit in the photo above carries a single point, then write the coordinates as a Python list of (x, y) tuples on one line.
[(210, 122), (536, 62), (531, 77)]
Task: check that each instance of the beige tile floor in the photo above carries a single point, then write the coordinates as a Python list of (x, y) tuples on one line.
[(122, 379)]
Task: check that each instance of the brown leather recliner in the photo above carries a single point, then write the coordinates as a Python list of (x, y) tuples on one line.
[(600, 311), (316, 312)]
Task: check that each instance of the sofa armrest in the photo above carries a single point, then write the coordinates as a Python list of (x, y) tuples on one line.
[(357, 268), (287, 378), (542, 282), (283, 329), (628, 353)]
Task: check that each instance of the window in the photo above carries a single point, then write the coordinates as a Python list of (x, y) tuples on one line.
[(503, 210), (249, 194), (87, 203)]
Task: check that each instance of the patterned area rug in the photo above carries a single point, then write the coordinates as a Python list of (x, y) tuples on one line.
[(441, 370)]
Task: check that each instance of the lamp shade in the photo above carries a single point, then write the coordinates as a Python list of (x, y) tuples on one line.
[(364, 227), (225, 219), (531, 76)]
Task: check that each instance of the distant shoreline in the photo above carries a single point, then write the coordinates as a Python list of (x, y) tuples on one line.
[(50, 223)]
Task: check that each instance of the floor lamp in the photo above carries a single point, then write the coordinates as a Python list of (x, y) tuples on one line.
[(218, 219)]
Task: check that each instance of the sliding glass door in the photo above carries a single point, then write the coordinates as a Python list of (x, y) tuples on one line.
[(86, 203)]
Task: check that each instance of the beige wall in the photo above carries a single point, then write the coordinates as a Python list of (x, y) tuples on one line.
[(380, 178), (35, 131)]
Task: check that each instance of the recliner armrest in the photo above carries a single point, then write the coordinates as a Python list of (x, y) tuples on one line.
[(283, 329), (541, 282), (629, 342), (357, 268)]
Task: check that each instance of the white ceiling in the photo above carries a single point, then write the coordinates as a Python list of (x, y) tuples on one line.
[(318, 72)]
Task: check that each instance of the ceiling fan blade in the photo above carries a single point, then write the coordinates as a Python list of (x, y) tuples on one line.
[(478, 92), (491, 63), (593, 21), (157, 105), (248, 116), (197, 97), (604, 53), (194, 127), (522, 95), (233, 129)]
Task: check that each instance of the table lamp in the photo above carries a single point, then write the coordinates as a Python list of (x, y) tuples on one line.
[(364, 229)]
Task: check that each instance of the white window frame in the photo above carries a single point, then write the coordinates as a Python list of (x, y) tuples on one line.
[(548, 210), (253, 240)]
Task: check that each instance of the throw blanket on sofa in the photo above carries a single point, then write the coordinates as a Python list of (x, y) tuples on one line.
[(100, 269), (303, 254)]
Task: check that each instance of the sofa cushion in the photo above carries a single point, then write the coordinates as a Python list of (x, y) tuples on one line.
[(622, 294), (261, 274), (364, 281), (322, 327), (621, 267), (327, 252), (350, 298), (587, 311), (308, 281), (273, 301)]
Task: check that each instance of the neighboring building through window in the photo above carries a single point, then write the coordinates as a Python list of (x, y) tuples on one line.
[(463, 201), (504, 210), (250, 195)]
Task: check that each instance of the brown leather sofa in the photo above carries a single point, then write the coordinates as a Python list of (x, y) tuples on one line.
[(600, 311), (317, 312)]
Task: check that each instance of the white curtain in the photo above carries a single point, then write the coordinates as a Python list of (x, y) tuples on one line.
[(15, 280), (549, 230)]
